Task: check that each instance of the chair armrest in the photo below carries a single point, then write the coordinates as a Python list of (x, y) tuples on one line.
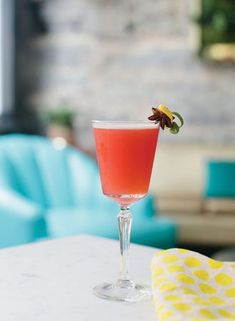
[(21, 220)]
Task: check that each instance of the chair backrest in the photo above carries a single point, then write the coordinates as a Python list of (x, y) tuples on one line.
[(52, 178), (220, 180), (34, 168)]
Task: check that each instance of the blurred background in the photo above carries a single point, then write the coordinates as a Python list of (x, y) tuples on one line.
[(64, 63)]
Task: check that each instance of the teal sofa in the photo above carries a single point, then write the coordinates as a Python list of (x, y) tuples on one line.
[(47, 192)]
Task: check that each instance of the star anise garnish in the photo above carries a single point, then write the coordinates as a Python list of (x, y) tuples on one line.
[(161, 118)]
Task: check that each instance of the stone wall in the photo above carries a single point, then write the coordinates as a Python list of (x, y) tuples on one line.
[(115, 59)]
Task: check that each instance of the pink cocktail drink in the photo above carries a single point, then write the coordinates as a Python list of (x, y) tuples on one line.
[(125, 153)]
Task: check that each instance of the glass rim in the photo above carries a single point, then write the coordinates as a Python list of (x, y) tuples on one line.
[(125, 123)]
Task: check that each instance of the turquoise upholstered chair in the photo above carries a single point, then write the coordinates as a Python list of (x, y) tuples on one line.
[(49, 193), (220, 180)]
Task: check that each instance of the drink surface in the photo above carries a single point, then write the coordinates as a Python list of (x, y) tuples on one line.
[(125, 156)]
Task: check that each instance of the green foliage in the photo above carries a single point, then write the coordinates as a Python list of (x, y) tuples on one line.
[(217, 22), (61, 116)]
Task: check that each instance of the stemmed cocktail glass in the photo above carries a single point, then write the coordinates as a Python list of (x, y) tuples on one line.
[(125, 152)]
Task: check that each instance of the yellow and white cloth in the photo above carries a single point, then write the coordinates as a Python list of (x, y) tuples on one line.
[(188, 286)]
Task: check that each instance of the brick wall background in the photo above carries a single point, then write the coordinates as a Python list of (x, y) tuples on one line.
[(115, 59)]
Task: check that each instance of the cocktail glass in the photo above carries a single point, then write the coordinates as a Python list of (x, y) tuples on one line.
[(125, 153)]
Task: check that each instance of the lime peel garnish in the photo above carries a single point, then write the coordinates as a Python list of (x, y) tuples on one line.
[(175, 127), (179, 117)]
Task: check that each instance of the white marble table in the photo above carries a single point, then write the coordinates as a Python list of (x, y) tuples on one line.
[(53, 280)]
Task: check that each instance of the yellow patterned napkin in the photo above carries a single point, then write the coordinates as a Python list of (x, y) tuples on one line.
[(188, 286)]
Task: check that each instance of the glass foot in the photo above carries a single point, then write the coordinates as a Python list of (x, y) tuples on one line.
[(129, 291)]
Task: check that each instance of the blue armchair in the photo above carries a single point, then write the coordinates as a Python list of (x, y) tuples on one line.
[(49, 193)]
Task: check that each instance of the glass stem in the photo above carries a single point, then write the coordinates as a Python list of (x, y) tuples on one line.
[(124, 224)]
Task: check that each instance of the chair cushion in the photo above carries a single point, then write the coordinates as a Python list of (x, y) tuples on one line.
[(153, 231)]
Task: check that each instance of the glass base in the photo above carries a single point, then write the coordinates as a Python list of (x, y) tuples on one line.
[(125, 291), (127, 199)]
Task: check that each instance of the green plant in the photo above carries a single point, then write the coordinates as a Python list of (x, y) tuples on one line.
[(216, 22), (61, 116)]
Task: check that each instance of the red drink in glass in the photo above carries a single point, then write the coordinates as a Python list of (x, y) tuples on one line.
[(125, 155)]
